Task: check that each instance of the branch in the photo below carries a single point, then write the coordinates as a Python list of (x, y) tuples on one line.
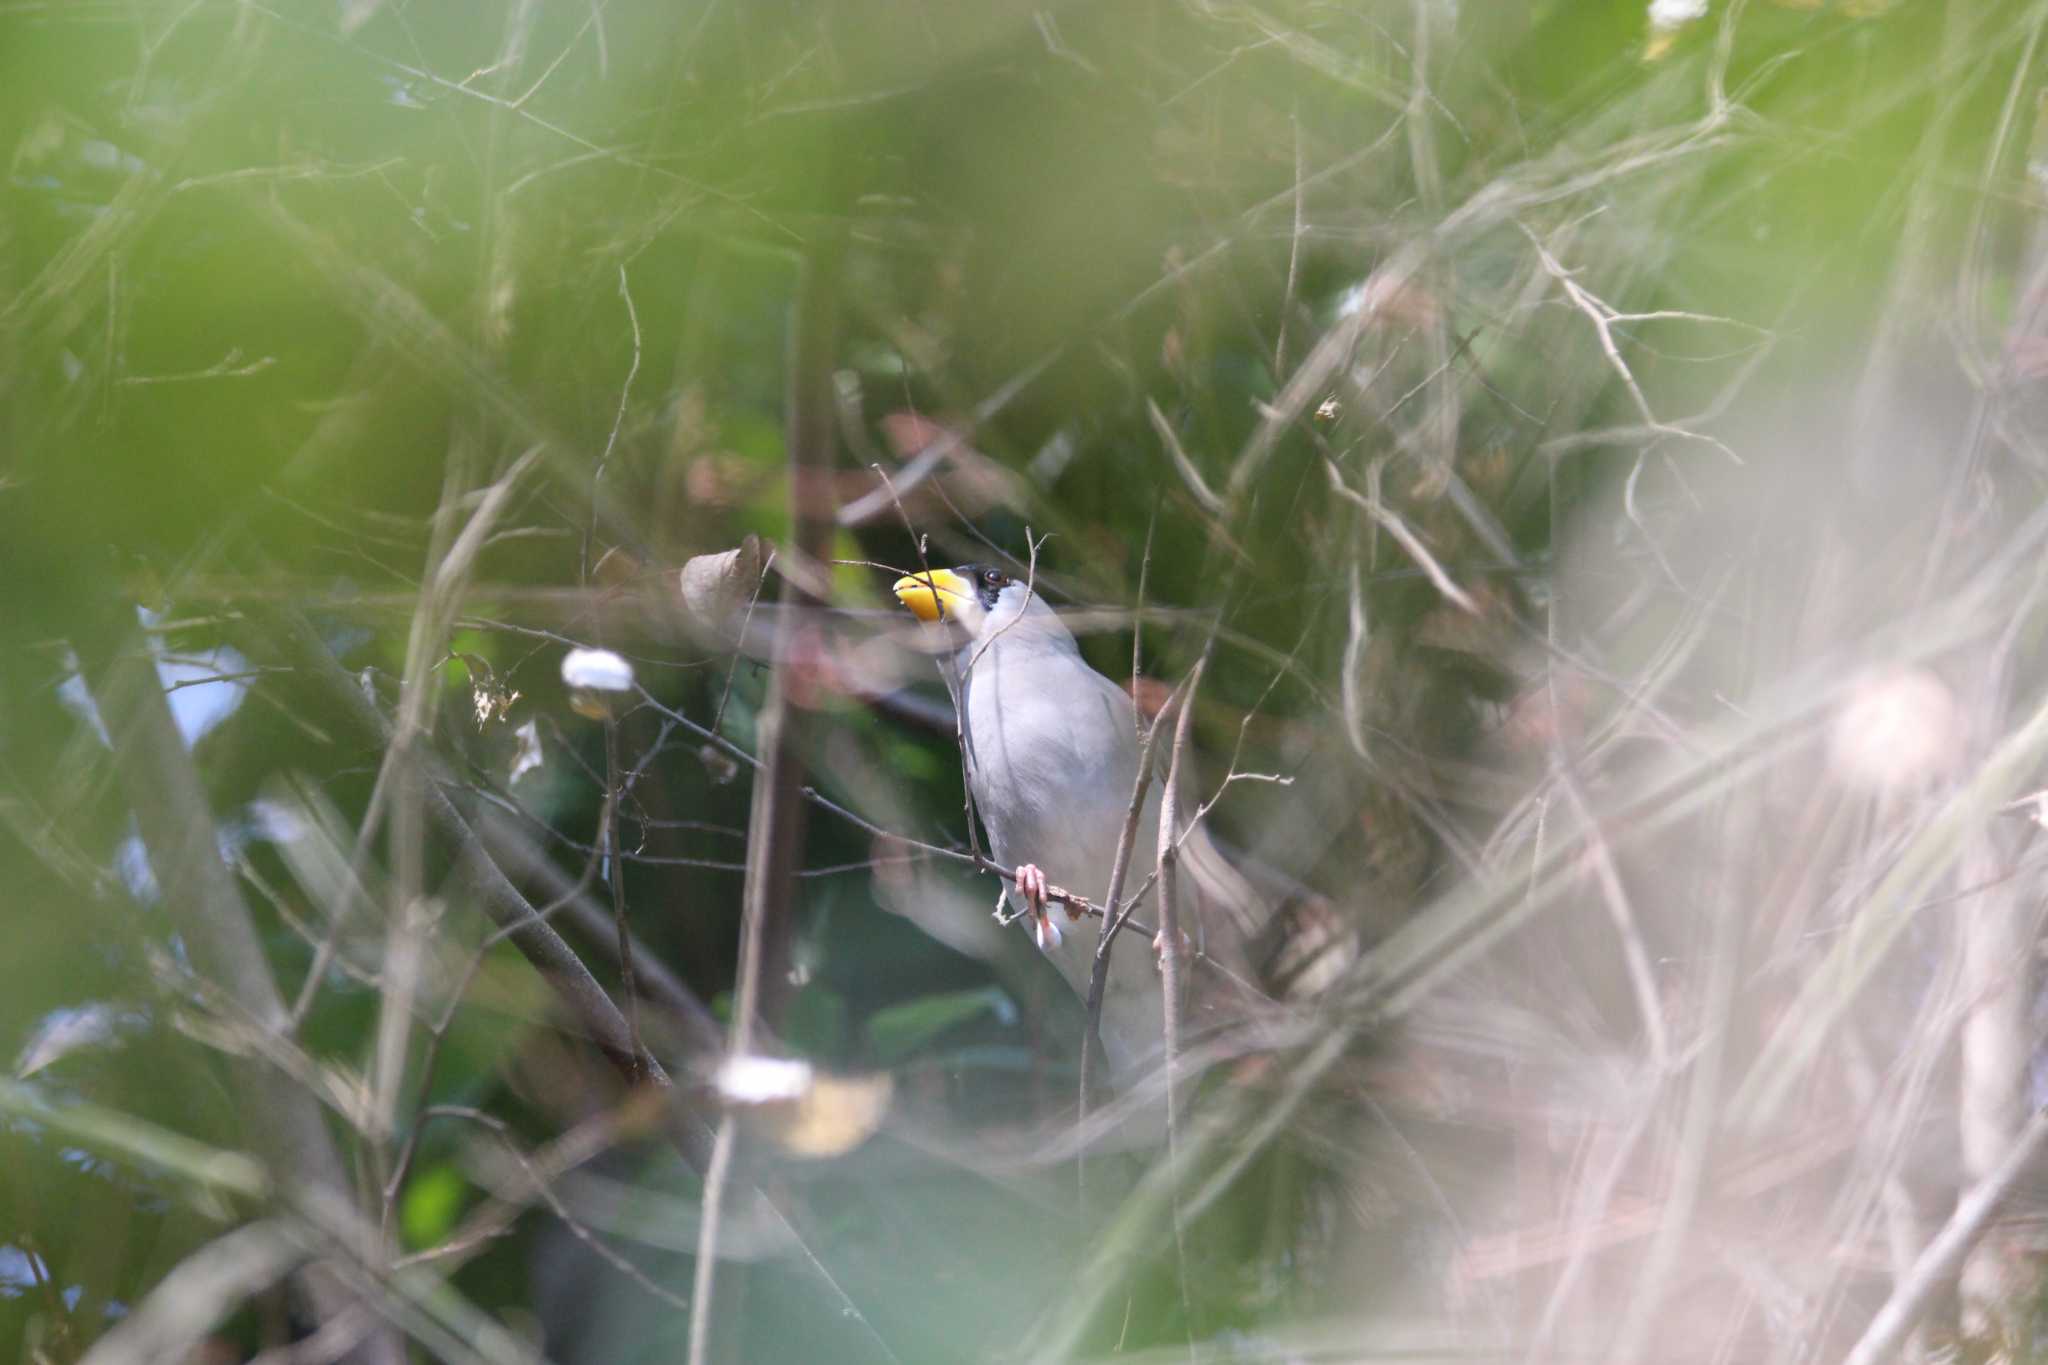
[(776, 822), (171, 815), (1112, 925), (1635, 954), (701, 1033), (1603, 319), (1169, 942), (1409, 541), (1937, 1265), (608, 840), (200, 1292), (280, 633), (1077, 905), (769, 890), (288, 635)]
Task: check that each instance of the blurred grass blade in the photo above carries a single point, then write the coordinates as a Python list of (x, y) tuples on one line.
[(1865, 940), (115, 1134)]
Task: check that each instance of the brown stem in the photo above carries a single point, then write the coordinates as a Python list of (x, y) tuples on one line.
[(287, 637), (171, 814), (609, 841), (1117, 916), (1169, 878), (1938, 1264), (775, 824), (1170, 951)]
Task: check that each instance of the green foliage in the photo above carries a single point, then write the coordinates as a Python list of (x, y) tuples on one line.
[(903, 1031), (283, 292), (433, 1201)]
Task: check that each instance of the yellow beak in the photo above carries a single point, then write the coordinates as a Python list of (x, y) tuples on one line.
[(926, 594)]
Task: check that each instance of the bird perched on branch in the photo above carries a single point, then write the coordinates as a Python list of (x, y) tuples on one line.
[(1052, 750)]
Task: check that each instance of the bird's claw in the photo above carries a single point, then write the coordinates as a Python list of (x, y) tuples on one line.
[(1187, 946), (1032, 886)]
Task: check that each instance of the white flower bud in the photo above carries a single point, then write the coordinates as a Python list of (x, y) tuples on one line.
[(596, 670)]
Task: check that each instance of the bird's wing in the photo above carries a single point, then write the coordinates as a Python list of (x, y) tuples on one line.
[(1052, 753), (1055, 744)]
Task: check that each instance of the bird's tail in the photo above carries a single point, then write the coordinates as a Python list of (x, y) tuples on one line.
[(1281, 934)]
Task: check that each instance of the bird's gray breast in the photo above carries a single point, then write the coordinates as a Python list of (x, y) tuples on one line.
[(1052, 753)]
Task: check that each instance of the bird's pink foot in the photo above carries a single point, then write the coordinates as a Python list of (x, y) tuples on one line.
[(1032, 886), (1187, 946)]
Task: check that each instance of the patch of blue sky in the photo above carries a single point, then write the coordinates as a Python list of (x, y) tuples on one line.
[(202, 688)]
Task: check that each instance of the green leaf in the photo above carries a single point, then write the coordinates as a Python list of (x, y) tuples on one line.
[(901, 1030), (433, 1201), (916, 762)]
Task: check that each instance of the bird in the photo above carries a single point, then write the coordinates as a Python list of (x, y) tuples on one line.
[(1052, 749)]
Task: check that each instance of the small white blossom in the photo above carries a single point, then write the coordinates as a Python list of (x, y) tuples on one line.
[(1895, 730), (1670, 14), (596, 670), (763, 1080)]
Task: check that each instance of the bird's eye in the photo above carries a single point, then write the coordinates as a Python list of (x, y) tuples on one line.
[(991, 577)]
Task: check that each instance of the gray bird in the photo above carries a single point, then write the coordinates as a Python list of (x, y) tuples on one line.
[(1052, 755)]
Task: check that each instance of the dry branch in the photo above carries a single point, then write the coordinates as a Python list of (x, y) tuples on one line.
[(287, 637), (1944, 1255), (775, 825), (170, 805), (1169, 945), (1118, 919)]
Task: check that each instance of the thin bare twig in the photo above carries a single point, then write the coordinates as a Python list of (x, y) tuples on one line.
[(1398, 529), (1937, 1264), (776, 818), (1603, 319), (543, 1181), (1293, 255), (746, 625), (1114, 924), (758, 903), (437, 1033), (955, 688), (1074, 901), (611, 439), (1642, 979), (171, 813), (1138, 618), (1169, 946), (608, 840), (1182, 465), (288, 635)]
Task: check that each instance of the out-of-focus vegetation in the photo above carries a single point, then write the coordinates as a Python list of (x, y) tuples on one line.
[(1604, 447)]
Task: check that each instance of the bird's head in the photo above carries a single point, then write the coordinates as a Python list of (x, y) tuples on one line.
[(975, 599)]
